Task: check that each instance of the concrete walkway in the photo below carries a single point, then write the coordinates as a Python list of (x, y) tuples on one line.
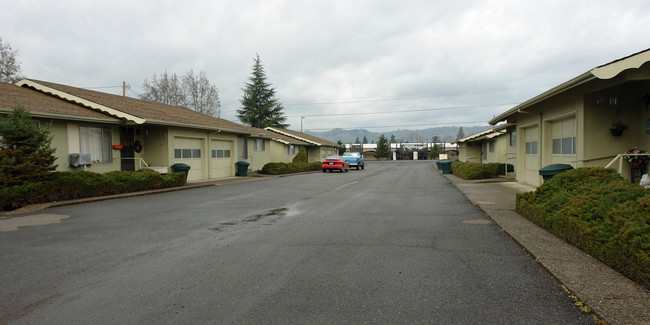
[(613, 297)]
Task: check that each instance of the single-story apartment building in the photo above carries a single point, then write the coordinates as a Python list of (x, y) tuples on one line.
[(120, 133), (591, 120)]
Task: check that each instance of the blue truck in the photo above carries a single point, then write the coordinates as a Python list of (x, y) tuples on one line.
[(354, 159)]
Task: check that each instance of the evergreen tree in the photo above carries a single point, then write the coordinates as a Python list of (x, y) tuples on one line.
[(301, 157), (341, 147), (25, 152), (365, 140), (357, 141), (435, 151), (383, 148), (392, 138), (461, 133), (260, 108)]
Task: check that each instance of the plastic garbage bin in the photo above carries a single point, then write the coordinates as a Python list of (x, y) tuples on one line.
[(552, 170), (181, 168), (242, 168), (445, 166)]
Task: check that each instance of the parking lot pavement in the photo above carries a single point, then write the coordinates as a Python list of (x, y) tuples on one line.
[(615, 298)]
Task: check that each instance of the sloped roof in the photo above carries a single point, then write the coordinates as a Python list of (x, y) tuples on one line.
[(135, 110), (283, 138), (42, 105), (487, 134), (605, 71), (303, 137)]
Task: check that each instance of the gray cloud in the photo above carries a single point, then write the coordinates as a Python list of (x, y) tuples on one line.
[(358, 56)]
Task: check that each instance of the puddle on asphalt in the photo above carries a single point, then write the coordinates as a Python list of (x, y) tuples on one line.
[(280, 212), (13, 224), (274, 212)]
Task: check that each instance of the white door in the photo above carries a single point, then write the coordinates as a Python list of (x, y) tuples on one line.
[(221, 158), (189, 151), (531, 160)]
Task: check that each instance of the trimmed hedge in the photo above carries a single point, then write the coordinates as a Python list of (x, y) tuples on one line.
[(290, 168), (601, 213), (59, 186), (472, 170)]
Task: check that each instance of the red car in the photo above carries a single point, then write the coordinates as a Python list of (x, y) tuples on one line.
[(335, 163)]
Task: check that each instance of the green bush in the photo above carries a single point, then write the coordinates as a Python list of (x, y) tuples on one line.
[(471, 170), (598, 211), (301, 157), (60, 186), (289, 168)]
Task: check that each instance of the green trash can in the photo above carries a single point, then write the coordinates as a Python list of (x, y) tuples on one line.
[(552, 170), (445, 166), (181, 168), (242, 168)]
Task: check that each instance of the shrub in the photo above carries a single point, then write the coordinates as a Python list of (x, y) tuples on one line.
[(301, 157), (289, 168), (471, 170), (598, 211), (60, 186)]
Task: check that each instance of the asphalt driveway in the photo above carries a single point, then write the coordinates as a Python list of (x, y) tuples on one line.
[(394, 243)]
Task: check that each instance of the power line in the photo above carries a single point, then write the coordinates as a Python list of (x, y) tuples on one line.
[(405, 97), (400, 126), (403, 111)]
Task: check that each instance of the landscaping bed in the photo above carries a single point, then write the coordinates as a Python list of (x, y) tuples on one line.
[(601, 213), (289, 168), (471, 170), (60, 186)]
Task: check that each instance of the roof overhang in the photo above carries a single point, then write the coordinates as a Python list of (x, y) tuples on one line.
[(291, 135), (81, 101), (606, 71), (487, 134)]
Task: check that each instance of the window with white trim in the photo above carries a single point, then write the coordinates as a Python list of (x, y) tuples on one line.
[(259, 145), (96, 141), (564, 140), (292, 150)]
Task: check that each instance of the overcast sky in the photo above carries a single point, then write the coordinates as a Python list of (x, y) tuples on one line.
[(444, 62)]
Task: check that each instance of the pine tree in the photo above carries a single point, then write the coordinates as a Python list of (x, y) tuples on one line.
[(383, 149), (25, 152), (461, 133), (365, 140), (260, 108)]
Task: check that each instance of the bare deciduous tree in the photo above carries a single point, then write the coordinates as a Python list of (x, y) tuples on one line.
[(9, 66), (191, 91), (200, 94), (166, 90)]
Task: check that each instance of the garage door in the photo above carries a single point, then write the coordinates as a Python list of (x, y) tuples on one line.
[(564, 141), (221, 159), (189, 151), (531, 161)]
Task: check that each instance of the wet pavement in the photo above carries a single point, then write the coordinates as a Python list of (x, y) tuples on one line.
[(615, 298)]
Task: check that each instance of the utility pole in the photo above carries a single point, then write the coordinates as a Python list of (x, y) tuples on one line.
[(301, 118), (123, 88)]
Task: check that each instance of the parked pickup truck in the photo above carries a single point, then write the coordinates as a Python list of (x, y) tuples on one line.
[(355, 159)]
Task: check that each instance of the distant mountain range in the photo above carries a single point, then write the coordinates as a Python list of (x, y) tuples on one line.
[(445, 133)]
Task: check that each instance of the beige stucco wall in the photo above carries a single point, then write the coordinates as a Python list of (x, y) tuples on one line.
[(280, 152), (469, 152), (257, 159)]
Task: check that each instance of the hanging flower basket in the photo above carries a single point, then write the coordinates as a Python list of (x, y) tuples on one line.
[(636, 161), (618, 128)]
